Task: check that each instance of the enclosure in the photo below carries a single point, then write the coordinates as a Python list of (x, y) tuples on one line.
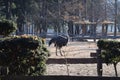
[(84, 21)]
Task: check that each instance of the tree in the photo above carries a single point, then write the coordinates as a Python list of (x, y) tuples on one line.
[(56, 13)]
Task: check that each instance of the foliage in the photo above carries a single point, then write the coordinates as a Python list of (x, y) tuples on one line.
[(110, 51), (7, 27), (56, 11), (23, 55)]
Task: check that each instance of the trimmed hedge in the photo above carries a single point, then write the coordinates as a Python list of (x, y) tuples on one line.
[(7, 27), (110, 50), (23, 55)]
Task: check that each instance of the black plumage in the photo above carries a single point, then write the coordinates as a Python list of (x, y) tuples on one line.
[(59, 42)]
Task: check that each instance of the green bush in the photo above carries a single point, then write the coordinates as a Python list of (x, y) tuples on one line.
[(110, 52), (23, 55), (108, 44), (7, 27)]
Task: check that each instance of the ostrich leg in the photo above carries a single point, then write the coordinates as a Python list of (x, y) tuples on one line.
[(56, 51), (60, 52)]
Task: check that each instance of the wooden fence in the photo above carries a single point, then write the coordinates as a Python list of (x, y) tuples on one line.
[(57, 78), (97, 59)]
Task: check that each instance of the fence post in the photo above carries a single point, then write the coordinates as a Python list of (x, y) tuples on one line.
[(99, 63)]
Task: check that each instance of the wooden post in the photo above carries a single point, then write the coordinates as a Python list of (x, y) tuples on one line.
[(95, 34), (106, 30), (99, 63), (102, 29)]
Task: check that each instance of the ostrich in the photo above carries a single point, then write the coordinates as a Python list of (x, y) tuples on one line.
[(59, 42)]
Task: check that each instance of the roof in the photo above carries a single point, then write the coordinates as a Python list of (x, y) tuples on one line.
[(107, 22), (84, 22)]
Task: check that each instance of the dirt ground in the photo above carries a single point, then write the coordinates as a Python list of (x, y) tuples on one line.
[(77, 50)]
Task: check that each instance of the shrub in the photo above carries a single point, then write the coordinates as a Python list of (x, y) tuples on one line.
[(23, 55), (110, 52), (7, 27)]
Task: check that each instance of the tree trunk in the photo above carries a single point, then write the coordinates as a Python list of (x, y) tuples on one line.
[(77, 30), (115, 67), (20, 27), (58, 27), (99, 63), (115, 29), (70, 30), (8, 9), (44, 20)]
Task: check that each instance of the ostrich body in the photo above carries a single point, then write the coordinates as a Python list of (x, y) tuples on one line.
[(59, 42)]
